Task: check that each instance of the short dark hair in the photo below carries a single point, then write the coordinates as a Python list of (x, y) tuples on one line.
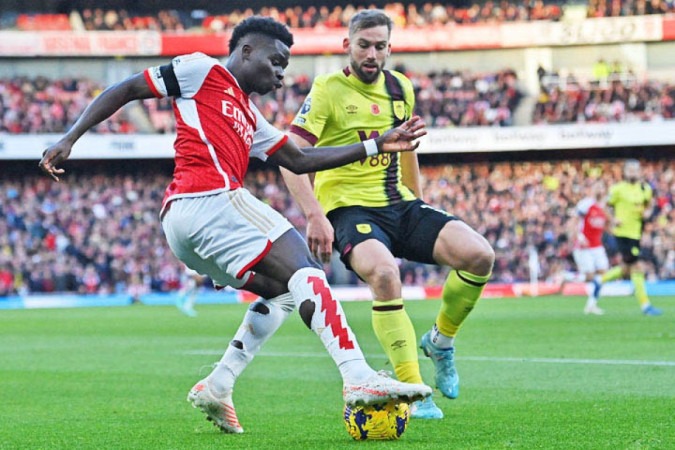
[(260, 25), (369, 18)]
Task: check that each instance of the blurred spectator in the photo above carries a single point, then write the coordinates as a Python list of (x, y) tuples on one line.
[(601, 70)]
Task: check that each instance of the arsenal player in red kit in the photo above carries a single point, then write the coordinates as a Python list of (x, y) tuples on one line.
[(589, 253), (217, 228)]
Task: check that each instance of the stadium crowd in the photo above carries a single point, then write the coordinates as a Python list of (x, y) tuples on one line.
[(610, 95), (408, 14), (100, 233), (444, 99), (40, 105), (615, 8), (429, 14)]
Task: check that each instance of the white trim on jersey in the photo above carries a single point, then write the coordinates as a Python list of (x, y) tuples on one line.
[(265, 136), (188, 111)]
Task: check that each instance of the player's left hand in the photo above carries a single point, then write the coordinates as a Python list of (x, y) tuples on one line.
[(53, 156), (320, 237), (402, 138)]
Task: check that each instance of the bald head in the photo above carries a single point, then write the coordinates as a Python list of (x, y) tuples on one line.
[(631, 170)]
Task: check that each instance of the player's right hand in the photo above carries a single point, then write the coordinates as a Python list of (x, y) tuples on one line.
[(402, 138), (320, 237), (53, 156)]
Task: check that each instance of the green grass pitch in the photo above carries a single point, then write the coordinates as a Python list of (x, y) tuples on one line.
[(535, 374)]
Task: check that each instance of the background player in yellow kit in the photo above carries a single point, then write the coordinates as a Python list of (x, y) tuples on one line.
[(631, 200), (373, 207)]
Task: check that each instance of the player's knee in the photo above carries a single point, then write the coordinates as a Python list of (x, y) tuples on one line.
[(306, 311), (638, 266), (259, 307), (480, 258), (384, 278)]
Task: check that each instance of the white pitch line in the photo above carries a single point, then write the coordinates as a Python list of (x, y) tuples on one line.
[(606, 362)]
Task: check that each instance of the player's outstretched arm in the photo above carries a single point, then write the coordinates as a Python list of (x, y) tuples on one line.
[(101, 108), (319, 231), (303, 160)]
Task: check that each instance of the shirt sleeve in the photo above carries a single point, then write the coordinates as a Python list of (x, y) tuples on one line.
[(182, 77), (314, 113), (583, 206), (266, 139)]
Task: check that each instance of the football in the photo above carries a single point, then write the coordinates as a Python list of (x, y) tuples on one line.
[(384, 421)]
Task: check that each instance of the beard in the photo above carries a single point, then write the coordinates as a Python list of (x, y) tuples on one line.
[(366, 77)]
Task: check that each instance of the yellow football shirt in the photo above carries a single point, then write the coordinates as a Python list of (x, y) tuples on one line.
[(629, 201), (341, 110)]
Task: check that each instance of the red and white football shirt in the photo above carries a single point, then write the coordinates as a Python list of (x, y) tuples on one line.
[(218, 127), (593, 224)]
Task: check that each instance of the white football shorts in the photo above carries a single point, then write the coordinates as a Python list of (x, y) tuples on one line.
[(591, 260), (222, 235)]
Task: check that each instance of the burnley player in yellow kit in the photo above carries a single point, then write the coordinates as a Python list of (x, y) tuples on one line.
[(631, 200), (373, 207)]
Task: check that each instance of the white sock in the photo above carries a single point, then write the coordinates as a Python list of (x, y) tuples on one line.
[(329, 322), (262, 320), (590, 289), (440, 340)]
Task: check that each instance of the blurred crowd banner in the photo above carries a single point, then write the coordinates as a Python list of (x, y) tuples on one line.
[(344, 293), (315, 41), (84, 43), (439, 140)]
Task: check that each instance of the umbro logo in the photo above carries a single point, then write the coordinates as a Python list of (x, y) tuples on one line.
[(351, 109), (397, 345)]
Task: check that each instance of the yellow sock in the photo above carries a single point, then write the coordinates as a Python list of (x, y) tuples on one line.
[(396, 334), (460, 293), (614, 273), (638, 280)]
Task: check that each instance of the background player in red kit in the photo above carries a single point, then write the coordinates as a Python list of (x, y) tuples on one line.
[(589, 253), (217, 227)]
